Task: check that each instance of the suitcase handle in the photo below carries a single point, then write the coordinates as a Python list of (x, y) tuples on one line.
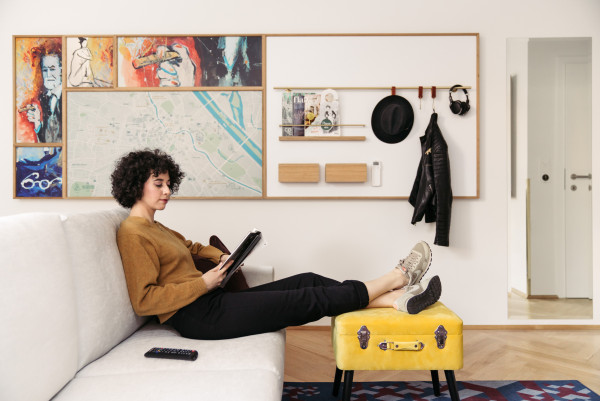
[(401, 346)]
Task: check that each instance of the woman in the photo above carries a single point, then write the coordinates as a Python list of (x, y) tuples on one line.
[(162, 279)]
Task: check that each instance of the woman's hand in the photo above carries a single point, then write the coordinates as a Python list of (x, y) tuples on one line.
[(224, 258), (214, 277)]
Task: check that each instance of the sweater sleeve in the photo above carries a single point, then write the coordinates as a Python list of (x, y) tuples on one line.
[(196, 248), (141, 266)]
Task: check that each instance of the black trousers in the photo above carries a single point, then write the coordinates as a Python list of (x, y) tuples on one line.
[(292, 301)]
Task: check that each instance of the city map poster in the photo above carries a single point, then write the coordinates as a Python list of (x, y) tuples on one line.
[(38, 172), (189, 61), (216, 137)]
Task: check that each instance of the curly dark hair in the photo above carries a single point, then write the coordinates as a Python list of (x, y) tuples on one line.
[(133, 170)]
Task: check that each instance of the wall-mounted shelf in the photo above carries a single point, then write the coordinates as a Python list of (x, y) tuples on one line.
[(345, 172), (299, 172), (322, 138), (354, 70), (289, 88)]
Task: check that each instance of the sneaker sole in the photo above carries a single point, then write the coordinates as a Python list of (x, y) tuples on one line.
[(427, 298)]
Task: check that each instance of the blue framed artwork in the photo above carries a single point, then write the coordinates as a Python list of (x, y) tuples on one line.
[(38, 172)]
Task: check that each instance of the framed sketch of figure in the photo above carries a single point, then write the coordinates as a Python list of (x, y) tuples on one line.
[(89, 62)]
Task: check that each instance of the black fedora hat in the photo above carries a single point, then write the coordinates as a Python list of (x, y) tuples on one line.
[(392, 119)]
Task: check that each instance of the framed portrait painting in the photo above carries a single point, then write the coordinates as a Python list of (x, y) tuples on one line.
[(38, 90)]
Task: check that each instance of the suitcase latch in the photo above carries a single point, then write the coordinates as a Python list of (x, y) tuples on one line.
[(401, 346), (363, 337), (441, 334)]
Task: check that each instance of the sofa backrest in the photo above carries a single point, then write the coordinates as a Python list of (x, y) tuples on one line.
[(104, 312), (37, 306)]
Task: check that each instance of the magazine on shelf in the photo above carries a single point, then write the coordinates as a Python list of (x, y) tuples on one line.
[(329, 115), (298, 108), (287, 113), (312, 103), (241, 252)]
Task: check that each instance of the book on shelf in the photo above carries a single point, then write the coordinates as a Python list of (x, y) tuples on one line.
[(312, 103), (310, 114), (287, 113), (330, 113), (328, 119), (298, 116)]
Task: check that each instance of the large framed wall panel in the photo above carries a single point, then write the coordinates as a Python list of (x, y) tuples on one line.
[(364, 68), (215, 103)]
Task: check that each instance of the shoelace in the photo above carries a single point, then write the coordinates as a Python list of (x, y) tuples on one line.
[(411, 262)]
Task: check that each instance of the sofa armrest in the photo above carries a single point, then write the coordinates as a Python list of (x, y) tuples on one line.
[(258, 274)]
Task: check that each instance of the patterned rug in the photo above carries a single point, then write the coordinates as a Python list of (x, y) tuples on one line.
[(540, 390)]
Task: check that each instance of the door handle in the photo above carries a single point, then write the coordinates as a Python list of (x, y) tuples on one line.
[(578, 177)]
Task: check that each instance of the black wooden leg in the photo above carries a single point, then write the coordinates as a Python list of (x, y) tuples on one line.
[(336, 381), (435, 380), (452, 385), (348, 377)]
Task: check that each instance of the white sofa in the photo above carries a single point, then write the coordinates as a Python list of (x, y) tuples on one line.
[(69, 331)]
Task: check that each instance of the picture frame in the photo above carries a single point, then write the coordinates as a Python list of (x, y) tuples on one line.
[(38, 172), (189, 61), (222, 65)]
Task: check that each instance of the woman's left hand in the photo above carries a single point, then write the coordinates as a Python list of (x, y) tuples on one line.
[(214, 277)]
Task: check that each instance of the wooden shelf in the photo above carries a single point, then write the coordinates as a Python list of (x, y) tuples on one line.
[(299, 172), (345, 172), (322, 138)]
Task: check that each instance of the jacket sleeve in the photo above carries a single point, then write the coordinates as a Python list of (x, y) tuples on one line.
[(426, 191), (412, 199), (443, 191)]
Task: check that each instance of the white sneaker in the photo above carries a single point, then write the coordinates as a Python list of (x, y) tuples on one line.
[(416, 264), (419, 296)]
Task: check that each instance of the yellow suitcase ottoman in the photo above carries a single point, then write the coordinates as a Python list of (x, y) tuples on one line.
[(385, 339)]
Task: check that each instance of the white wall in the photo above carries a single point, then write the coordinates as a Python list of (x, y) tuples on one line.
[(342, 239), (517, 69)]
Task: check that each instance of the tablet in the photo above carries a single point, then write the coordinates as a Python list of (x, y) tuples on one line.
[(237, 257)]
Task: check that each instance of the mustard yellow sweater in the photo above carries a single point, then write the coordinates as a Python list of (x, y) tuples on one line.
[(159, 269)]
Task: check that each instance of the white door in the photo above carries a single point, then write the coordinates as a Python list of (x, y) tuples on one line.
[(578, 183)]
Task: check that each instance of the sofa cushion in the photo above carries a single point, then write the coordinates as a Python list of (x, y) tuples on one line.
[(103, 308), (185, 385), (246, 368), (258, 274), (37, 305), (258, 352)]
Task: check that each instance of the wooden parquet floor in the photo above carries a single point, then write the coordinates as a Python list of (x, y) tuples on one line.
[(496, 354), (522, 308)]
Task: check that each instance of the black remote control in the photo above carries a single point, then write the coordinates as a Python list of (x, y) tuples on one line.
[(172, 353)]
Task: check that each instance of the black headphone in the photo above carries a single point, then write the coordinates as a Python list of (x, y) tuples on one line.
[(457, 106)]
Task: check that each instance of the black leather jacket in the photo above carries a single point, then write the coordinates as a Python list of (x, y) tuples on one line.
[(432, 194)]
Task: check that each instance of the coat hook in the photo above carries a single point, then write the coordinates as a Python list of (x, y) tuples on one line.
[(393, 91), (420, 96), (433, 94)]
